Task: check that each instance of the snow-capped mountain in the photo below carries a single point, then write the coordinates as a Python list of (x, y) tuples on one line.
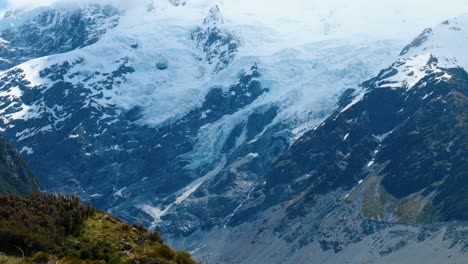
[(168, 114), (369, 182)]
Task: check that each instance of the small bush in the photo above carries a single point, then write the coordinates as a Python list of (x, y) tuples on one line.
[(139, 227), (155, 237), (41, 258), (183, 257), (124, 227), (163, 252)]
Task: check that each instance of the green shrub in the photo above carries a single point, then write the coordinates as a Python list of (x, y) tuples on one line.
[(41, 257), (166, 252), (140, 228), (155, 237), (162, 251), (124, 227), (183, 257), (39, 222)]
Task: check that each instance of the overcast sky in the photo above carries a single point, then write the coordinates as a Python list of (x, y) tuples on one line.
[(374, 17)]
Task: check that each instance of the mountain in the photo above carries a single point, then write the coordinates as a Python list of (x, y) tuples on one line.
[(15, 175), (170, 115), (382, 180), (407, 131)]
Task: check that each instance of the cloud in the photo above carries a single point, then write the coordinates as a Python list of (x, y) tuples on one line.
[(12, 4), (391, 18), (348, 14)]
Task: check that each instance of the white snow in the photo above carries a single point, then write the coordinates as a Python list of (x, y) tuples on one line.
[(382, 137), (447, 43), (253, 155), (410, 71), (352, 190), (358, 96), (27, 150), (119, 193), (346, 137), (31, 71)]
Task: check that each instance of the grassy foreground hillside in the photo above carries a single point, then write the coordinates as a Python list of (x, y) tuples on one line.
[(56, 229)]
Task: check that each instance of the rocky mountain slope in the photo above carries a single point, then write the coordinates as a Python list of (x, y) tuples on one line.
[(385, 175), (15, 175)]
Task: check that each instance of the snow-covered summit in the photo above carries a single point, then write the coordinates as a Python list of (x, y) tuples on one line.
[(214, 17), (433, 51), (178, 2), (447, 42), (218, 44)]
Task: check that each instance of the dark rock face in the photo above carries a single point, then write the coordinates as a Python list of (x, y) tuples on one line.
[(432, 138), (421, 39), (55, 31), (15, 175), (218, 45), (178, 2)]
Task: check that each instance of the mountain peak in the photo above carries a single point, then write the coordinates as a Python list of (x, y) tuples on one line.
[(178, 2), (214, 17), (446, 42)]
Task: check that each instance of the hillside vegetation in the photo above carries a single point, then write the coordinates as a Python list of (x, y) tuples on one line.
[(57, 229)]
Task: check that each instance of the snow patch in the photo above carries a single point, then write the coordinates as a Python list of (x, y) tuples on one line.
[(119, 193), (346, 137), (27, 150)]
